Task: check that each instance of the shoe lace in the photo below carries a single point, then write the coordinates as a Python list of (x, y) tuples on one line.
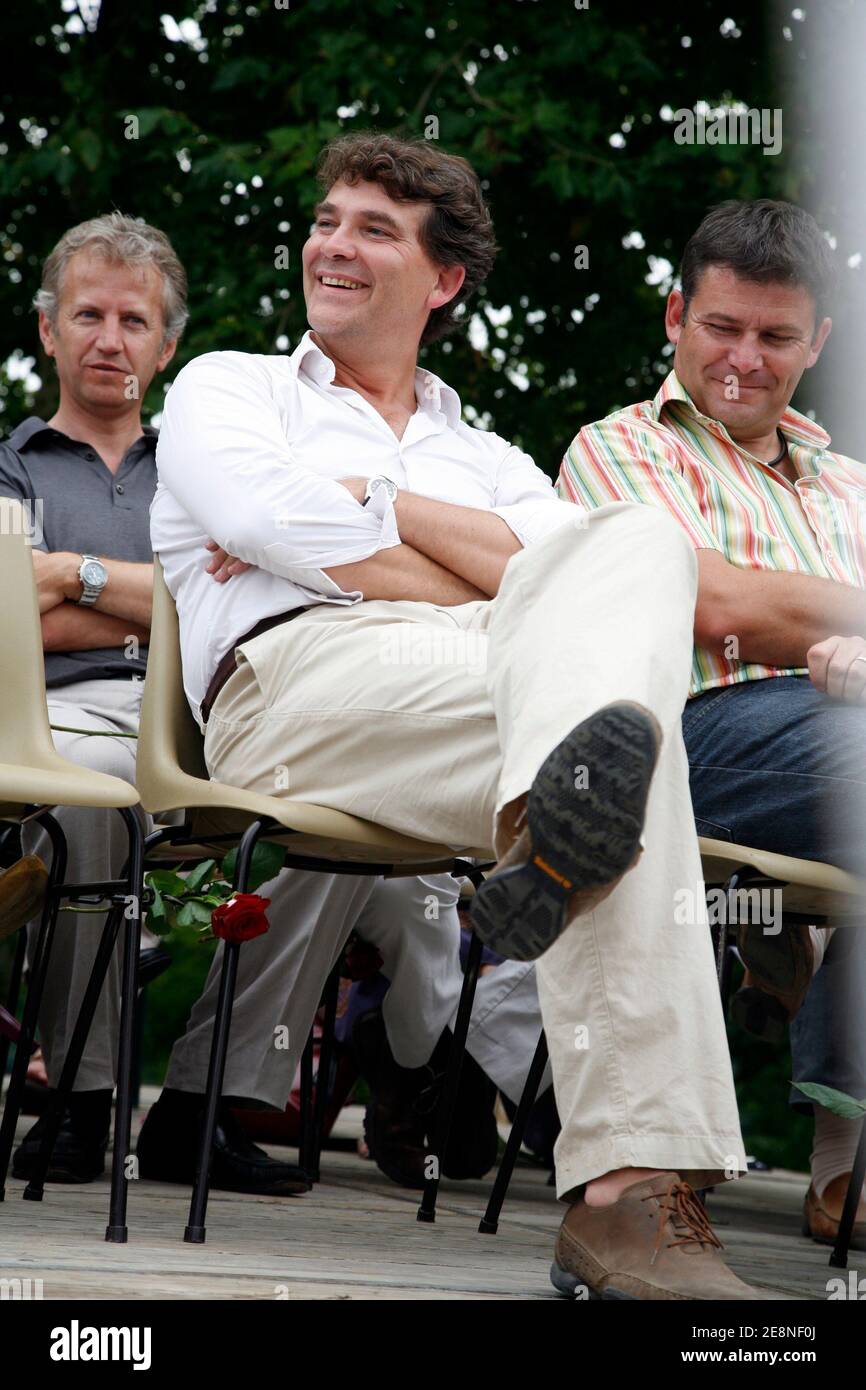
[(683, 1208)]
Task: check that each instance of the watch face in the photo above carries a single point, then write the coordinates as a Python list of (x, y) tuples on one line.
[(390, 488), (93, 572)]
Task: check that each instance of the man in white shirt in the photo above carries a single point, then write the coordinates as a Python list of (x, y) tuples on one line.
[(473, 665)]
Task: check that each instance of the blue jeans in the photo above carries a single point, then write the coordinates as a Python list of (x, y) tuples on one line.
[(778, 765)]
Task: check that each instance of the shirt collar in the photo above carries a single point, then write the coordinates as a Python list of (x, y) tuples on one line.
[(433, 395), (796, 427), (23, 433)]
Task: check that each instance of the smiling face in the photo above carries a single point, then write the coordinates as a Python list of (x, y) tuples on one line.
[(367, 276), (742, 347), (108, 336)]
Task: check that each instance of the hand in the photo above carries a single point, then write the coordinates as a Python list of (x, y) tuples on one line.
[(357, 487), (223, 565), (56, 573), (838, 666)]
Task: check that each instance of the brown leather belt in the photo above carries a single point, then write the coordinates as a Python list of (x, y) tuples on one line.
[(228, 665)]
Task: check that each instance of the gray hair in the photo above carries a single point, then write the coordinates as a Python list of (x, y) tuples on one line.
[(125, 241)]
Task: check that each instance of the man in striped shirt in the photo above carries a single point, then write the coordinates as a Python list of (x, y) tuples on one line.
[(775, 725)]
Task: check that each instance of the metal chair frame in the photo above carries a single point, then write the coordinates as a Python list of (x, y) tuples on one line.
[(754, 875)]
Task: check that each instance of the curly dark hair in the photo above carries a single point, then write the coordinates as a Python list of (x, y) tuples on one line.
[(457, 229)]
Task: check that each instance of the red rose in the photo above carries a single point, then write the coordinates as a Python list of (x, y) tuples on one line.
[(241, 918)]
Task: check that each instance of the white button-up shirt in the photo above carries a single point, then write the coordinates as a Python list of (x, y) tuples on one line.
[(249, 453)]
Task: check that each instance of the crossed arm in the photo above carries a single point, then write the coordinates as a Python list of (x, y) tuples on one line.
[(122, 610), (449, 554), (785, 620)]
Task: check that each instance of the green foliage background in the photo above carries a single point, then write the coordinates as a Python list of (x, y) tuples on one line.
[(229, 127), (530, 91)]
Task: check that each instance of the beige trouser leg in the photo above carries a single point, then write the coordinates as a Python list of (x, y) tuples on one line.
[(97, 845), (386, 710)]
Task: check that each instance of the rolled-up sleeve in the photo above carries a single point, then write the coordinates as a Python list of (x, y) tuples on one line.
[(225, 457), (526, 501), (611, 461)]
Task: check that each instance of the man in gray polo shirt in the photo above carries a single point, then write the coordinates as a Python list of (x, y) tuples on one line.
[(111, 309)]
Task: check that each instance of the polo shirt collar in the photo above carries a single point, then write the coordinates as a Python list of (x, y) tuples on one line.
[(23, 433), (434, 396), (796, 427)]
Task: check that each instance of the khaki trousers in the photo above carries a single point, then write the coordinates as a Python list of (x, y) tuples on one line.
[(429, 720)]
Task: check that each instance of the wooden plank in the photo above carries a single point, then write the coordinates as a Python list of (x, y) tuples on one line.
[(355, 1237)]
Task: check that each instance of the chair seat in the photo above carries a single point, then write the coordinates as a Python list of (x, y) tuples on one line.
[(314, 832), (54, 781), (809, 886)]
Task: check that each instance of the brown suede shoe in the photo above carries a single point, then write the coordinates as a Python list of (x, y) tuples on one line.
[(779, 970), (583, 820), (655, 1242), (821, 1215), (22, 893)]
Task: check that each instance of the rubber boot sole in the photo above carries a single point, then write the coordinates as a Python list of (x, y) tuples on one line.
[(568, 1284), (585, 814)]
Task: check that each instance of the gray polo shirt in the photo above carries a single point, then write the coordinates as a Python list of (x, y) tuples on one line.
[(88, 509)]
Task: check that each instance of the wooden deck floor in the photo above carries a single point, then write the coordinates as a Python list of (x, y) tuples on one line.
[(355, 1237)]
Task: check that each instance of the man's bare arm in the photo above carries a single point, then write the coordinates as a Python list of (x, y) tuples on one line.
[(776, 617), (468, 542), (472, 543), (68, 628), (401, 572), (128, 594)]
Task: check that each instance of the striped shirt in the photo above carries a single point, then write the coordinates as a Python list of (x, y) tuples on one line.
[(666, 453)]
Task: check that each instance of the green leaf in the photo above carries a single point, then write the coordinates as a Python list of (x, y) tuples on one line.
[(266, 864), (191, 913), (89, 147), (199, 875), (836, 1101), (156, 916), (167, 881)]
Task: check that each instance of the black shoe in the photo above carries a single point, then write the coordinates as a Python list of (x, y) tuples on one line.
[(401, 1114), (395, 1120), (167, 1150), (79, 1150)]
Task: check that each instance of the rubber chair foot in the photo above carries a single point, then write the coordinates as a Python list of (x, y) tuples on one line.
[(487, 1228), (116, 1235), (428, 1217), (33, 1194), (195, 1235)]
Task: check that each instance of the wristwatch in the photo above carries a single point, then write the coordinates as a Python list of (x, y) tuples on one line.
[(380, 482), (94, 577)]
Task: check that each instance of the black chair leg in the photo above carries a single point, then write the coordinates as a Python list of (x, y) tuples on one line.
[(839, 1255), (489, 1223), (445, 1109), (35, 987), (135, 825), (53, 1118), (195, 1230), (323, 1076), (12, 993), (305, 1117)]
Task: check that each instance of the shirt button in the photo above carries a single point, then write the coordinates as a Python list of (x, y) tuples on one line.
[(90, 456), (118, 487)]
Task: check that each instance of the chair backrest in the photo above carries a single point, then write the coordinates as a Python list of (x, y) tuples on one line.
[(170, 744), (25, 735)]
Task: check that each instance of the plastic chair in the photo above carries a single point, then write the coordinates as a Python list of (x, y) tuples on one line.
[(813, 893), (171, 775), (33, 779)]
